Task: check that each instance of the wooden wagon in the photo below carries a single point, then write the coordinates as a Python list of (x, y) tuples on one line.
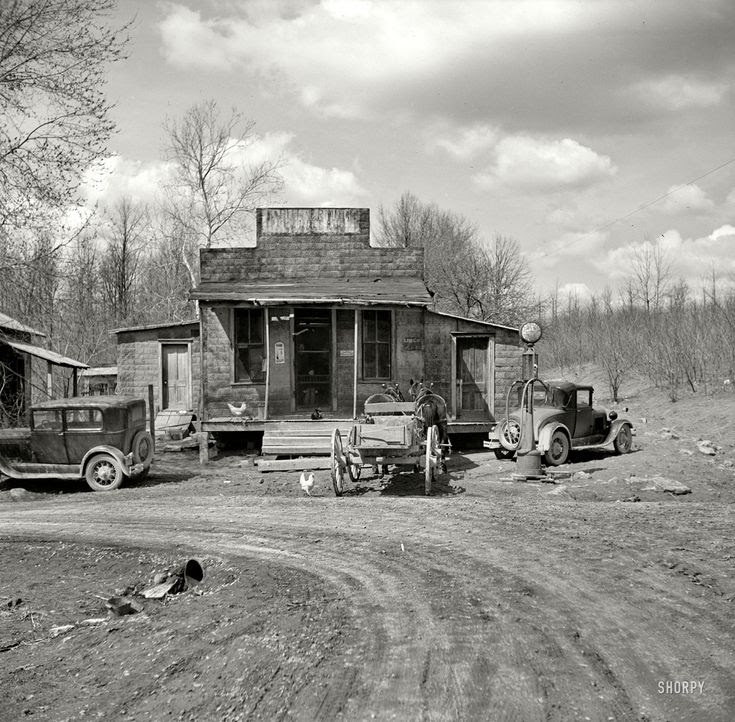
[(394, 436)]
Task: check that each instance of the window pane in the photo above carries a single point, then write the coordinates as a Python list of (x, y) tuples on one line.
[(83, 419), (256, 326), (47, 420), (383, 370), (383, 331), (368, 326), (242, 325), (368, 360)]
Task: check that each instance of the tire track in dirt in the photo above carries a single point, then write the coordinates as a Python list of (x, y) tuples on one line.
[(452, 628)]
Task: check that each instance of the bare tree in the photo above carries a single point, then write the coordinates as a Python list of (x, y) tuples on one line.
[(487, 281), (54, 119), (651, 275), (128, 227), (218, 188)]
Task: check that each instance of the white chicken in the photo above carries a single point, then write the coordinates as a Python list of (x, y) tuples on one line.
[(237, 410), (307, 484)]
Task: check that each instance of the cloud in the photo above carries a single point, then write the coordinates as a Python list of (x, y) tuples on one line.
[(466, 60), (691, 259), (686, 199), (304, 183), (579, 291), (677, 92), (538, 165), (118, 176), (463, 144)]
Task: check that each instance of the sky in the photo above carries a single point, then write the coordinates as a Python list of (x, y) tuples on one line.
[(587, 130)]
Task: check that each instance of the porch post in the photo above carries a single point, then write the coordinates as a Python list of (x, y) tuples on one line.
[(354, 381), (453, 386), (74, 382), (49, 380), (267, 362)]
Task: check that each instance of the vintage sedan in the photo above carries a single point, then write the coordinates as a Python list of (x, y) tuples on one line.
[(102, 439), (564, 419)]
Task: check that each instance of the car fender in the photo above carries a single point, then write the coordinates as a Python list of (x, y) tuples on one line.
[(614, 428), (125, 461), (547, 431)]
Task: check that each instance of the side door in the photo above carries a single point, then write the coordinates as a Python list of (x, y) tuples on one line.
[(583, 425), (83, 431), (47, 437), (472, 376), (175, 376)]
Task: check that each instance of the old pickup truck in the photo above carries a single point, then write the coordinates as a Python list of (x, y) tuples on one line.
[(102, 439)]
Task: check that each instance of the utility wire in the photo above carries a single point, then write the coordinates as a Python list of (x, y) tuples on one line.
[(665, 195)]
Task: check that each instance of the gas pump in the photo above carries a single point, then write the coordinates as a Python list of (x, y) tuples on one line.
[(528, 457)]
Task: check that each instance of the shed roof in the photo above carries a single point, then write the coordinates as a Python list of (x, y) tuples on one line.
[(45, 354), (405, 291), (12, 325), (153, 326)]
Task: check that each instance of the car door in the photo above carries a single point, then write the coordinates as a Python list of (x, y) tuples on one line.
[(47, 437), (83, 427), (583, 425)]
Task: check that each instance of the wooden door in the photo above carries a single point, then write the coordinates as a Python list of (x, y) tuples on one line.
[(175, 376), (472, 378)]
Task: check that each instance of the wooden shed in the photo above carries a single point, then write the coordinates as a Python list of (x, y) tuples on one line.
[(29, 372), (314, 317), (165, 356)]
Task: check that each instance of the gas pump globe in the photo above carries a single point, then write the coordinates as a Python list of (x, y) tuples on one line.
[(530, 333)]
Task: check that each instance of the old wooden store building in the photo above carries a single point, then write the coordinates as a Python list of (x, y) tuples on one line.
[(314, 317)]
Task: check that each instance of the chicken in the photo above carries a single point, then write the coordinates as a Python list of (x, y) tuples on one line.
[(235, 410), (307, 484)]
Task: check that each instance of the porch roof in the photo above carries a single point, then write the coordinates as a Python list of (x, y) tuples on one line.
[(397, 290), (45, 354)]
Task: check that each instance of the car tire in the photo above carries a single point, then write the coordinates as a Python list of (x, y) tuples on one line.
[(623, 441), (142, 448), (104, 473), (509, 434), (558, 451)]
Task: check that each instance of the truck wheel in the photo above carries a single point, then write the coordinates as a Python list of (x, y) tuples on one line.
[(104, 473), (623, 442), (558, 451)]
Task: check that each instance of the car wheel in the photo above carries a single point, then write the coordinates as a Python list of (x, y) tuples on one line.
[(623, 442), (503, 454), (558, 451), (104, 473), (142, 448), (509, 434)]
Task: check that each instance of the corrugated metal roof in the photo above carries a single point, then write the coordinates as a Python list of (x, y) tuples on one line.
[(45, 354), (12, 325), (409, 291)]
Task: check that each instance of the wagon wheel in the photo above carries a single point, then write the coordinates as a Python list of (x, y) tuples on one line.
[(353, 469), (433, 456), (338, 463)]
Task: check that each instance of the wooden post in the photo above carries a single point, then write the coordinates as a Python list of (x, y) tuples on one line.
[(354, 389), (151, 415), (74, 382), (49, 380), (267, 362), (453, 389), (203, 447)]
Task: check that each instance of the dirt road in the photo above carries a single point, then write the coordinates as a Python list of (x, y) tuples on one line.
[(489, 600)]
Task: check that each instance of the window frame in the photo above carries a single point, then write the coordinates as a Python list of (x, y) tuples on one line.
[(236, 345), (389, 343)]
